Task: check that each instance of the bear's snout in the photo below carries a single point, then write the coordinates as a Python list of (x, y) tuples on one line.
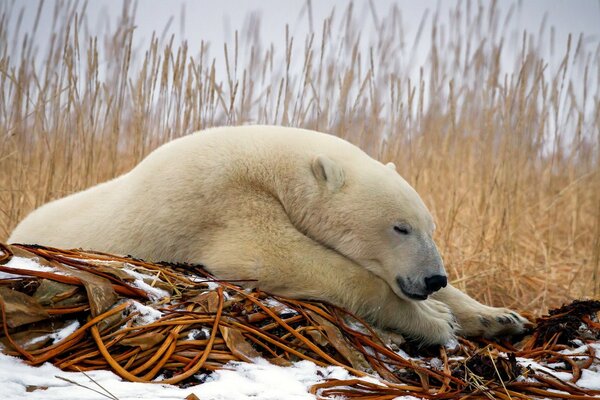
[(421, 289), (435, 283)]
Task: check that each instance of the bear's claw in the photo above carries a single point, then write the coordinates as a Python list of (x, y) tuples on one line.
[(492, 322)]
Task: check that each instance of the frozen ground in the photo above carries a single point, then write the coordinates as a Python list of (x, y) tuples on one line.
[(243, 381)]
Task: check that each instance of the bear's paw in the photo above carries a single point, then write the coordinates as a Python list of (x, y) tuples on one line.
[(491, 322)]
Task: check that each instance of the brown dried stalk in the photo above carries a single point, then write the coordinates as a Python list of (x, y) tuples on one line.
[(246, 324)]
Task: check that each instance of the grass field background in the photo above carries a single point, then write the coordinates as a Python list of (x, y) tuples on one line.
[(502, 145)]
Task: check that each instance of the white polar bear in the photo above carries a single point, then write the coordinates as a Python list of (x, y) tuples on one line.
[(303, 214)]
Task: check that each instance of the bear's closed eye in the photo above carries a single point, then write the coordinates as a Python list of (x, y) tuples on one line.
[(402, 229)]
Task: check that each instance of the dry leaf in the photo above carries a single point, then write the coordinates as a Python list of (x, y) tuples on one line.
[(356, 359), (282, 362), (145, 341), (101, 294), (49, 292), (236, 343), (36, 336), (317, 336), (21, 309), (113, 320), (33, 388), (29, 339), (116, 272), (78, 298), (208, 300)]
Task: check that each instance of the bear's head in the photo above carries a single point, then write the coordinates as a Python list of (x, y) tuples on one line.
[(367, 212)]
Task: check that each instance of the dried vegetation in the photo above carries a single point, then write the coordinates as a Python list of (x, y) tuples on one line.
[(502, 145), (174, 323)]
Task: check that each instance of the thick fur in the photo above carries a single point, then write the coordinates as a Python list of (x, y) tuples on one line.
[(304, 214)]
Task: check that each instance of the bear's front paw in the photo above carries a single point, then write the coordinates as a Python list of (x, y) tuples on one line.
[(437, 324), (492, 322)]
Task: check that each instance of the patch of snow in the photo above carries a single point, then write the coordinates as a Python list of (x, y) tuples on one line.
[(451, 344), (356, 326), (436, 363), (282, 308), (589, 379), (527, 379), (65, 332), (406, 356), (558, 391), (199, 334), (526, 362), (370, 379), (211, 285), (154, 292), (23, 263), (556, 365), (37, 339), (194, 334), (243, 381), (56, 336), (147, 314), (596, 347), (577, 342), (579, 350)]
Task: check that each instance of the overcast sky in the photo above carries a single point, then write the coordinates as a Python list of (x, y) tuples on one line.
[(215, 21)]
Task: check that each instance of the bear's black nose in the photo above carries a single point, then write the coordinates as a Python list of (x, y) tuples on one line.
[(435, 283)]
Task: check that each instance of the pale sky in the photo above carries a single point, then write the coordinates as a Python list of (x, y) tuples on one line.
[(215, 21)]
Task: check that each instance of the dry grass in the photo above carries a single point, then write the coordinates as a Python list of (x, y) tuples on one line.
[(506, 158)]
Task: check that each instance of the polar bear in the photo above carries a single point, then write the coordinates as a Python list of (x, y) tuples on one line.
[(301, 213)]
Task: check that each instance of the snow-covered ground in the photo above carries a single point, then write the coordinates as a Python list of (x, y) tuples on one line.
[(240, 380), (261, 380)]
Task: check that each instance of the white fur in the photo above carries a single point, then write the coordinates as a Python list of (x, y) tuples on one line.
[(304, 214)]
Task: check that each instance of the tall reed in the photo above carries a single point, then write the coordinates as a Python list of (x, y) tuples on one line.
[(503, 149)]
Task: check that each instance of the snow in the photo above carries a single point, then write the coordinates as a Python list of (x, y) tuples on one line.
[(65, 332), (58, 335), (147, 314), (578, 350), (23, 263), (526, 362), (153, 292), (199, 334), (281, 308), (210, 284), (405, 355), (589, 379), (240, 380)]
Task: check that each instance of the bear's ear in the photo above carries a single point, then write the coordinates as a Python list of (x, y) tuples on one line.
[(328, 172), (391, 165)]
